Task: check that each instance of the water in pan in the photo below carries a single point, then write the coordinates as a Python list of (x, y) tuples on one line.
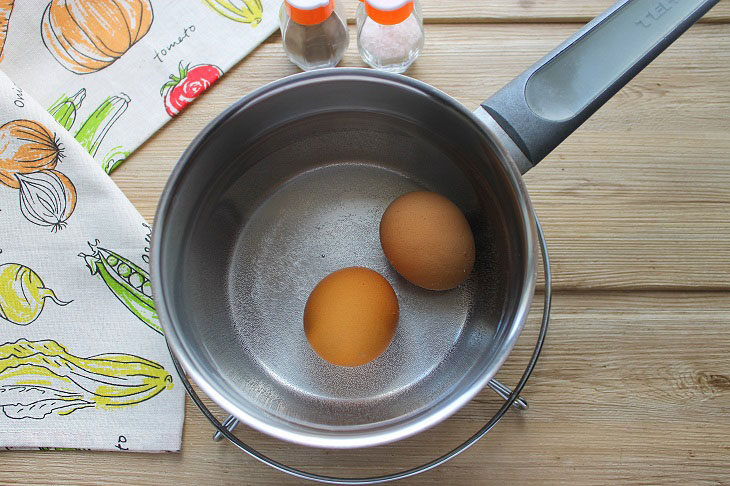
[(319, 222)]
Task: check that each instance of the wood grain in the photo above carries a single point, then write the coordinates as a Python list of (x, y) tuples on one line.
[(480, 11), (637, 198), (634, 385), (633, 388), (534, 10)]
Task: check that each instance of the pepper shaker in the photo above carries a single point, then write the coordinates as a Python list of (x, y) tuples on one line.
[(390, 33), (314, 32)]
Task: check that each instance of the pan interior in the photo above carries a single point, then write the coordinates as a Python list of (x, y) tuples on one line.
[(267, 211), (323, 220)]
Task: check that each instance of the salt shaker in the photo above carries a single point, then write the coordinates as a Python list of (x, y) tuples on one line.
[(389, 33), (314, 32)]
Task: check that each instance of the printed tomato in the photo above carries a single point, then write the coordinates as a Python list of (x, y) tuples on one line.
[(188, 85)]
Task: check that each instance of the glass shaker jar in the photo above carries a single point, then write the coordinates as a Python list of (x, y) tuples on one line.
[(314, 33), (389, 33)]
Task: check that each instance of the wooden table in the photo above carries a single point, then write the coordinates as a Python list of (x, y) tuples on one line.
[(634, 384)]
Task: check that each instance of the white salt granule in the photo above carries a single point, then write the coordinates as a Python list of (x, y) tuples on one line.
[(390, 44)]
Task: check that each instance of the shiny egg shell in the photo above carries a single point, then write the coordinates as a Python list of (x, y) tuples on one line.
[(351, 316), (428, 240)]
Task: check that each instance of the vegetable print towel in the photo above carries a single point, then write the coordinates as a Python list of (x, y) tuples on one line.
[(83, 362), (112, 72)]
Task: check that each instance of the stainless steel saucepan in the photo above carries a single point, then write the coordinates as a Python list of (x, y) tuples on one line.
[(289, 184)]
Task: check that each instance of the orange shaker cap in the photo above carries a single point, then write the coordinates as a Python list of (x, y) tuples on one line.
[(388, 12), (309, 12)]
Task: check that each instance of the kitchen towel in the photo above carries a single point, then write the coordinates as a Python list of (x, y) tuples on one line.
[(83, 362), (112, 72)]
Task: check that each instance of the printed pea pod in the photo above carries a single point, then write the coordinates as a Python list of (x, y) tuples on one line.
[(128, 282), (38, 378)]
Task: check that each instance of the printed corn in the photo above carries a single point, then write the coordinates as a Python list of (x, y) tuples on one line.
[(243, 11)]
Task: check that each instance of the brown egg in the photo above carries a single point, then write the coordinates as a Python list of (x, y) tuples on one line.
[(428, 240), (350, 316)]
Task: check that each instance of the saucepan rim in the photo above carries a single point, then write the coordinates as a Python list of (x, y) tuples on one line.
[(395, 429)]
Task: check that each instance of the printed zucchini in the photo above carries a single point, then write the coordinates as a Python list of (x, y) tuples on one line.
[(38, 378), (96, 126), (65, 108), (129, 283), (113, 158)]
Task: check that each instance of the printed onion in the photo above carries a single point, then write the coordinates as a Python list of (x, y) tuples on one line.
[(25, 147), (47, 198)]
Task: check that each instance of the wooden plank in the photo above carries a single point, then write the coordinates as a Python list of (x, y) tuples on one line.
[(476, 11), (632, 388), (534, 11), (638, 197)]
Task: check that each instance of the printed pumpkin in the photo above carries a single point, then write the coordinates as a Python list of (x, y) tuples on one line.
[(85, 36), (6, 8)]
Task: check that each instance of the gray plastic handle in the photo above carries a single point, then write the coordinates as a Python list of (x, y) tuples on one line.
[(546, 103)]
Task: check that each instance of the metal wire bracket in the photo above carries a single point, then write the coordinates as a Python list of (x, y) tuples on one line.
[(512, 399)]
